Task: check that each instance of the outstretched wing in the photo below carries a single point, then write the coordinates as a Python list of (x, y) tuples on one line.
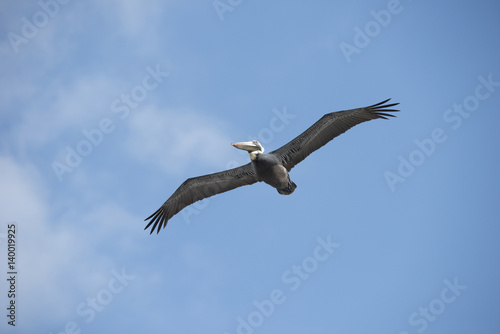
[(198, 188), (328, 127)]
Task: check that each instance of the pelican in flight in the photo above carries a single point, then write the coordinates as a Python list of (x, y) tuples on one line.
[(271, 168)]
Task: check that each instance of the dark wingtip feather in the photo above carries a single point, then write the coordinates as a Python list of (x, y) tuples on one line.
[(156, 217), (151, 216), (384, 115), (381, 109), (383, 104), (151, 222), (377, 104)]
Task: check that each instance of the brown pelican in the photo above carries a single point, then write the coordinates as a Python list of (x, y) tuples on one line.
[(273, 167)]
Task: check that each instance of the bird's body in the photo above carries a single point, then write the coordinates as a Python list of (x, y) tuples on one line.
[(271, 168)]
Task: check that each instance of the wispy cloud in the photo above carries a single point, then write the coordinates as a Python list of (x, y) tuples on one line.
[(70, 109), (54, 249), (134, 14), (136, 21), (175, 139)]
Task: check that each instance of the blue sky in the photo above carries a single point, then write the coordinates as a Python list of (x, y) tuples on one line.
[(108, 106)]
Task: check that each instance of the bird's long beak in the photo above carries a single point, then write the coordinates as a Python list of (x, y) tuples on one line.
[(247, 146)]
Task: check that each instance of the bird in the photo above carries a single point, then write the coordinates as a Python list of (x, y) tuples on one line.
[(272, 168)]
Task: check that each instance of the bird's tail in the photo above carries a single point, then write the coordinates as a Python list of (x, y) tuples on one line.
[(288, 189)]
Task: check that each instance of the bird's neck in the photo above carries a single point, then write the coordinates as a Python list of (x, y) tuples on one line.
[(254, 154)]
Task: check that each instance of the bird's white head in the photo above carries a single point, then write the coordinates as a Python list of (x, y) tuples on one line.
[(253, 147)]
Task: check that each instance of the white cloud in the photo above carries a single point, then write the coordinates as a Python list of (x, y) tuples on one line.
[(73, 108), (60, 260), (134, 14), (20, 191), (175, 139), (138, 22), (37, 84), (39, 256), (70, 241)]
